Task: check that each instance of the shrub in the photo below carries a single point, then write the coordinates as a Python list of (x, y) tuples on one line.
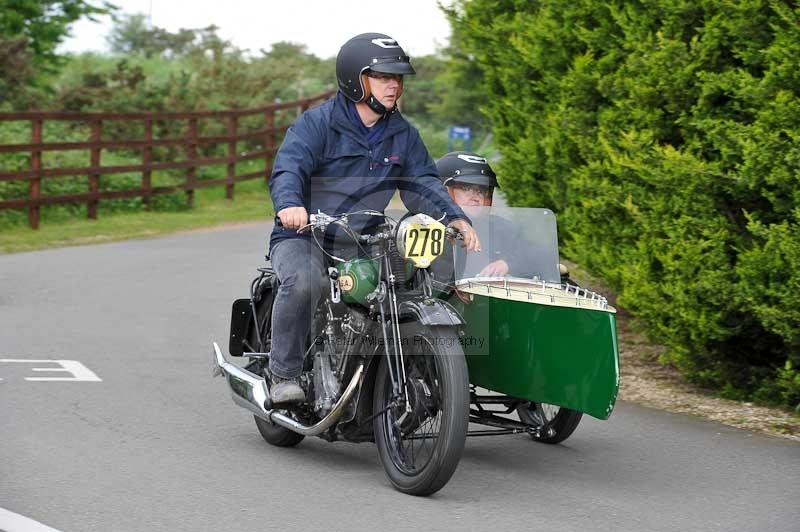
[(666, 134)]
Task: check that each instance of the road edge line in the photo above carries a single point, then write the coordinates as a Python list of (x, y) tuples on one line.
[(11, 522)]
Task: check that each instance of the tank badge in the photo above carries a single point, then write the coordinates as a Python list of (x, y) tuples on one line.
[(347, 283)]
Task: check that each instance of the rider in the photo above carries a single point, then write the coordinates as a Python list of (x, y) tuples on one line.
[(355, 146), (470, 181)]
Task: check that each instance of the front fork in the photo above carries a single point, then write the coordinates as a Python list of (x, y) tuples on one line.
[(395, 362)]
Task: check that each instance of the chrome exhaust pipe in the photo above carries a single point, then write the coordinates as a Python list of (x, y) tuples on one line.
[(328, 421), (250, 391)]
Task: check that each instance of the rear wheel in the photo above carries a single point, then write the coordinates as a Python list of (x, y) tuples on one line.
[(555, 423), (420, 441), (277, 435), (272, 433)]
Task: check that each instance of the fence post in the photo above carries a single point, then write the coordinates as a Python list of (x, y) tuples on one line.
[(191, 153), (36, 166), (269, 143), (94, 178), (232, 128), (147, 159)]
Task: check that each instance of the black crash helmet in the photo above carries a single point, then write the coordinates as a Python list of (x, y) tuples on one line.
[(466, 168), (369, 51)]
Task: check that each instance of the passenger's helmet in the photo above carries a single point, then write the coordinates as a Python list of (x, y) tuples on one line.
[(369, 51), (467, 168)]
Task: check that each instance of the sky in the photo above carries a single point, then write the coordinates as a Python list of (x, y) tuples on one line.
[(323, 25)]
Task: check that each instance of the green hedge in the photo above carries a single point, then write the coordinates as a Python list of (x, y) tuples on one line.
[(666, 134)]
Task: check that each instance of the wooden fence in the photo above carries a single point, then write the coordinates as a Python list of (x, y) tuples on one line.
[(266, 139)]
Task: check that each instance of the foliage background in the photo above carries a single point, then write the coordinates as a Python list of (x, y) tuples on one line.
[(666, 134)]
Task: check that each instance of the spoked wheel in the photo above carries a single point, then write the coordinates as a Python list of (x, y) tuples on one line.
[(420, 441), (555, 423)]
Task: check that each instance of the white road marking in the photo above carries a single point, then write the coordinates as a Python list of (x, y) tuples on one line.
[(11, 522), (78, 372)]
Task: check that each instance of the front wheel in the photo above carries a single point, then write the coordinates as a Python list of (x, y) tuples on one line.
[(420, 441)]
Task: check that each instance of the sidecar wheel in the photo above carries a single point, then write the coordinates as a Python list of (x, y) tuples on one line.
[(277, 435), (556, 423), (420, 449)]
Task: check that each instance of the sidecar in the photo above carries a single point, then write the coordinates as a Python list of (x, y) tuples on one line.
[(539, 344)]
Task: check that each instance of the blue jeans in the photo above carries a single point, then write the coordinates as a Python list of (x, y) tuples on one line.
[(299, 265)]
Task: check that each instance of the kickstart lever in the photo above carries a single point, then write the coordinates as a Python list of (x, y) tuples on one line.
[(336, 291)]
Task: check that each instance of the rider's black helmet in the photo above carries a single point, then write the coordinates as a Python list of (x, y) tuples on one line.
[(368, 52), (467, 168)]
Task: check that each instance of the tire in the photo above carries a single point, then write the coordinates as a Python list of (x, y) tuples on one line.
[(438, 384), (556, 423), (277, 435), (272, 433)]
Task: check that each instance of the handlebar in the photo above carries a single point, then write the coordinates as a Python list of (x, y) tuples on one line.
[(321, 221), (317, 221)]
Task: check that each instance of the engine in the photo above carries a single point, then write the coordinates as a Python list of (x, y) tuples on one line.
[(338, 342)]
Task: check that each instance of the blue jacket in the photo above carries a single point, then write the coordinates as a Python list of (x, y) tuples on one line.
[(326, 164)]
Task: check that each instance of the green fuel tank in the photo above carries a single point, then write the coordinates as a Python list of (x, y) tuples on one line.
[(357, 279)]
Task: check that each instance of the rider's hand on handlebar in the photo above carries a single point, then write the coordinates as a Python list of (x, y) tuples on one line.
[(471, 240), (293, 217)]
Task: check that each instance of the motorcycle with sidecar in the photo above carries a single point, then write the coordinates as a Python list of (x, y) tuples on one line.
[(415, 348)]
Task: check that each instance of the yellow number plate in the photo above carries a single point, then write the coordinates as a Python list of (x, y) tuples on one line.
[(424, 242)]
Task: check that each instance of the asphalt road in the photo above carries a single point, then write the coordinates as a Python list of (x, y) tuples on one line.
[(157, 445)]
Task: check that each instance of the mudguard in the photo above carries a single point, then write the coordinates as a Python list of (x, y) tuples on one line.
[(242, 314), (430, 312)]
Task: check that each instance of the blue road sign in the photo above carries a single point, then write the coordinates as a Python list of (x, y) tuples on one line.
[(463, 133)]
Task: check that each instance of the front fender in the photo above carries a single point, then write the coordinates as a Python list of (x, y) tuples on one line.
[(430, 312)]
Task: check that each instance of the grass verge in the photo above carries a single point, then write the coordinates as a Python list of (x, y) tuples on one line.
[(251, 204)]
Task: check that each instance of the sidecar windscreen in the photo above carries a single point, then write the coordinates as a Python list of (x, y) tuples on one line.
[(515, 242), (524, 240)]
